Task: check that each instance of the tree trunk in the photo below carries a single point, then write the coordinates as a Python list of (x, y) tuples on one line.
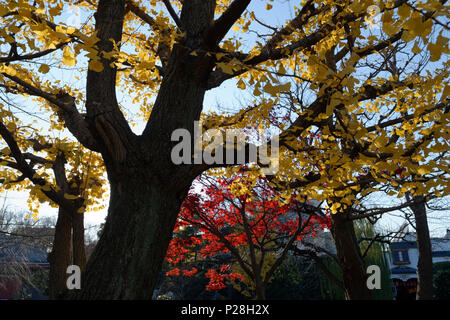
[(128, 258), (147, 188), (351, 263), (425, 263), (260, 291), (78, 244), (59, 258)]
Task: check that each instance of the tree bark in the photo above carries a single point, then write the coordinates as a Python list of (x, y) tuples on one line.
[(59, 257), (68, 242), (68, 248), (351, 263), (425, 263), (260, 290), (127, 260), (78, 243)]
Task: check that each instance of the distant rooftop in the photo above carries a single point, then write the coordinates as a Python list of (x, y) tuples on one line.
[(13, 248)]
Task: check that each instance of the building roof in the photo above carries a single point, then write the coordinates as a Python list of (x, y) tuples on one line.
[(402, 269), (16, 249), (403, 245), (447, 234), (322, 240), (441, 253)]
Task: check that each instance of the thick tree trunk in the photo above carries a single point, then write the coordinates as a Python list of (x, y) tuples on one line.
[(352, 264), (147, 188), (59, 258), (425, 263), (128, 258)]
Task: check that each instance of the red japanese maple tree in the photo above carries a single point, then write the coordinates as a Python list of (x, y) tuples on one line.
[(250, 221)]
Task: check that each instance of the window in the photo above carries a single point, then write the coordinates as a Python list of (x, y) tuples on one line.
[(400, 256)]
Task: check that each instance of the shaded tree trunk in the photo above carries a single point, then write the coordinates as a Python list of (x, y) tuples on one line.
[(351, 262), (425, 263), (127, 260), (147, 188), (59, 257), (260, 291), (78, 243), (68, 248), (68, 243)]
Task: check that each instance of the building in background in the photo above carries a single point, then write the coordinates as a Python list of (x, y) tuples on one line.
[(403, 260), (23, 267)]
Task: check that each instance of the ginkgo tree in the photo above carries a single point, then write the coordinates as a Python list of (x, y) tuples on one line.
[(165, 55), (408, 131), (58, 172)]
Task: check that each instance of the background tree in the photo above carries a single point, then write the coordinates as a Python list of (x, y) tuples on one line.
[(60, 173), (441, 280), (343, 146), (303, 277), (244, 218), (21, 239)]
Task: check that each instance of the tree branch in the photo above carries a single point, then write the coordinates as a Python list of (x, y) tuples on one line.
[(173, 14), (224, 23), (74, 121)]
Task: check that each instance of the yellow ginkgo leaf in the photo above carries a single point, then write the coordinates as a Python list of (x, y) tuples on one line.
[(422, 171), (435, 51), (334, 208), (5, 151), (81, 210), (46, 187), (68, 57), (390, 29), (96, 66), (446, 92), (43, 68), (70, 196), (416, 48), (241, 84), (404, 11), (257, 92), (273, 90), (407, 36), (226, 67)]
